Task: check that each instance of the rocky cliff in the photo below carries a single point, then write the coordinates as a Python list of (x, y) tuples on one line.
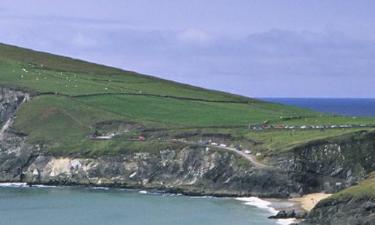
[(324, 165), (9, 102), (14, 152), (331, 164), (192, 170), (327, 165), (189, 170), (349, 211)]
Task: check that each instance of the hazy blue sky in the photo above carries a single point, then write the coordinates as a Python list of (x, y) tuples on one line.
[(259, 48)]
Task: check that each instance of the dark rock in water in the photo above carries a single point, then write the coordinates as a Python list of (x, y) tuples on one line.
[(286, 214), (301, 214), (280, 215)]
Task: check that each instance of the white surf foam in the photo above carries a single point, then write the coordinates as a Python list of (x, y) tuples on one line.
[(15, 185), (203, 196), (259, 203), (286, 221), (43, 186), (100, 188), (266, 205), (25, 185)]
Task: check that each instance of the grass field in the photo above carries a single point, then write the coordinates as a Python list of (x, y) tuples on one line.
[(42, 72), (328, 120), (276, 141), (364, 190), (71, 97)]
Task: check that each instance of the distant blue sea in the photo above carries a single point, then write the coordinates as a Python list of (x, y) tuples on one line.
[(348, 107)]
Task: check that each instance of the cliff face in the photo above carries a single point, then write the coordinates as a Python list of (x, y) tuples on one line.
[(330, 165), (326, 165), (190, 170), (14, 152), (9, 102), (348, 211)]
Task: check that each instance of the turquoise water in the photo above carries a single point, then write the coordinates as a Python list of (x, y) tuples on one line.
[(83, 206)]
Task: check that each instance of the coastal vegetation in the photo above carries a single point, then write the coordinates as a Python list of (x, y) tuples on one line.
[(74, 95), (364, 190), (91, 124)]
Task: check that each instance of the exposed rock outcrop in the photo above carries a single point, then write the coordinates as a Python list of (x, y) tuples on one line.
[(286, 214), (9, 102), (332, 164), (15, 153), (190, 170), (326, 165), (348, 211)]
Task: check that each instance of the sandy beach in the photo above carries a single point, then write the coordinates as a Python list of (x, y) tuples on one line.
[(305, 203), (308, 202)]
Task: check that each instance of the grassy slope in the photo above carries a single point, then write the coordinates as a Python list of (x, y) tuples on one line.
[(50, 73), (364, 190), (87, 94), (277, 141)]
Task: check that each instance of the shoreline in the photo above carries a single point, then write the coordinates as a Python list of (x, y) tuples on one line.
[(309, 201), (272, 205), (184, 190), (303, 204), (286, 205)]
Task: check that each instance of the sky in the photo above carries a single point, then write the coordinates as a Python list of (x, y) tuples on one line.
[(257, 48)]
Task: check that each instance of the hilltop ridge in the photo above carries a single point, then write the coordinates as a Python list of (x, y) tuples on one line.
[(71, 122)]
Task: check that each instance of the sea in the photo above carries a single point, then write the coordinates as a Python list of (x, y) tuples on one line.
[(339, 106), (42, 205)]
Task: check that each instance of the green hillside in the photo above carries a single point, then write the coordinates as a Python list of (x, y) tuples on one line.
[(363, 190), (74, 100)]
